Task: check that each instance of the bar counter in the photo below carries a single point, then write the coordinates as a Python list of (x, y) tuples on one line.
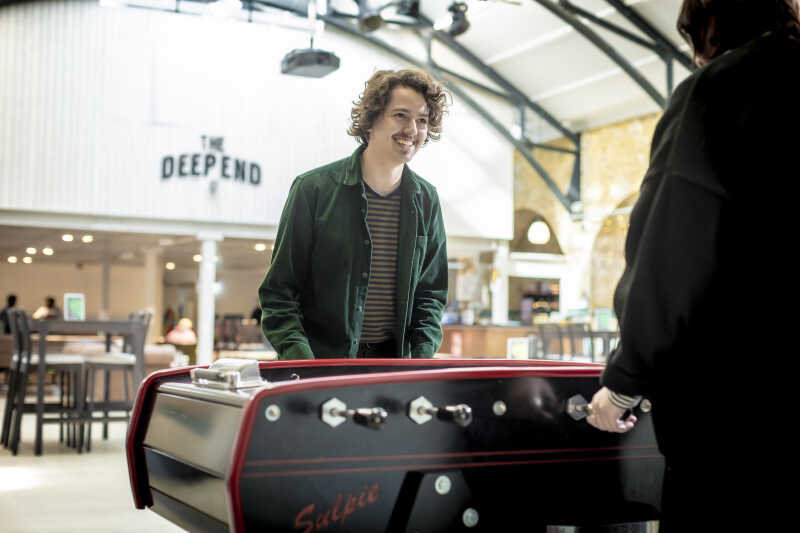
[(553, 340)]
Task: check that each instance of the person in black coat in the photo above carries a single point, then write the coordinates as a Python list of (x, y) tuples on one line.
[(701, 301)]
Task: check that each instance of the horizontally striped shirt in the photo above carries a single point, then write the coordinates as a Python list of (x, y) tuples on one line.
[(383, 222)]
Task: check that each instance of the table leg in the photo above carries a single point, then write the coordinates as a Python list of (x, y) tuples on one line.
[(106, 399), (138, 366), (81, 407), (37, 448)]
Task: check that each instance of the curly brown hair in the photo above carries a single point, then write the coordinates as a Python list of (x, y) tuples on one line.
[(736, 22), (377, 91)]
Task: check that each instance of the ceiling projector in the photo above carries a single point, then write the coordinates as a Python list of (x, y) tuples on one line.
[(309, 62)]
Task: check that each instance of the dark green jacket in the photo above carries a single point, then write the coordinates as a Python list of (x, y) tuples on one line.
[(314, 292)]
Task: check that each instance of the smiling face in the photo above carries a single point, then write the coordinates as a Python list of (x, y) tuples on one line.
[(400, 131)]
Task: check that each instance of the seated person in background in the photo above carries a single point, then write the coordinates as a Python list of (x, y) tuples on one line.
[(5, 318), (359, 267), (49, 311), (182, 333)]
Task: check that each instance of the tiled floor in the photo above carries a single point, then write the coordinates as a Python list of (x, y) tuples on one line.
[(61, 491)]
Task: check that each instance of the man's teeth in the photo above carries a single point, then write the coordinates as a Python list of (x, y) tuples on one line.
[(404, 142)]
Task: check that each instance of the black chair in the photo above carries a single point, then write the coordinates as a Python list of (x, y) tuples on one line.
[(11, 376), (66, 412), (552, 341), (107, 363), (608, 341), (581, 341)]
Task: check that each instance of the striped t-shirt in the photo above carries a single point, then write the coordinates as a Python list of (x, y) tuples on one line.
[(383, 221)]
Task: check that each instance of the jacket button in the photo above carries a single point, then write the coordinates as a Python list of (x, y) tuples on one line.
[(364, 275), (366, 242)]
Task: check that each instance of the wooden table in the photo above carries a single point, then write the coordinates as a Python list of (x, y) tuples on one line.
[(134, 329)]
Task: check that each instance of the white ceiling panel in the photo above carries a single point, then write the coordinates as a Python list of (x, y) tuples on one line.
[(560, 69)]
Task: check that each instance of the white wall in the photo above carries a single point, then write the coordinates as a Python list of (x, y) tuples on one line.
[(92, 98), (32, 283)]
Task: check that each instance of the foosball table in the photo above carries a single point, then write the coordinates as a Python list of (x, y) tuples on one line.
[(396, 445)]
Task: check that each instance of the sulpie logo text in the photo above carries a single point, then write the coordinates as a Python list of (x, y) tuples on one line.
[(309, 520)]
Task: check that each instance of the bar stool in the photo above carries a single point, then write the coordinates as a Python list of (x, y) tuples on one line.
[(69, 371), (107, 363)]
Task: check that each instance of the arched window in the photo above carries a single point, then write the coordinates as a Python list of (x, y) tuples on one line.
[(532, 233)]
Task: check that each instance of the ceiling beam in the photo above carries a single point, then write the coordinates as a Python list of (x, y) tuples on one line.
[(567, 16), (648, 29)]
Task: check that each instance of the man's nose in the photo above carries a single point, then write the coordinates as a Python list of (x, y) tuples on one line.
[(411, 128)]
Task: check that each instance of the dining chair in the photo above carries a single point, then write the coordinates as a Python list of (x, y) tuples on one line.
[(552, 341), (11, 378), (69, 371), (106, 364), (581, 341)]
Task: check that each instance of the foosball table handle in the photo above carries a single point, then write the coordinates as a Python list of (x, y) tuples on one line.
[(334, 411), (578, 408), (420, 410)]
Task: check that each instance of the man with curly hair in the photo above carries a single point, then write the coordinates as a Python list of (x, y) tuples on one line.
[(708, 222), (359, 267)]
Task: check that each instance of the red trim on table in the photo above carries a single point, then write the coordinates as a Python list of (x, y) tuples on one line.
[(493, 372), (236, 465), (134, 439), (301, 363), (355, 459), (497, 370), (444, 466)]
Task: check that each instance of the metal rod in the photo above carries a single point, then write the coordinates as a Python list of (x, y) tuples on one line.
[(645, 27), (670, 75), (607, 49), (574, 189), (448, 40), (472, 82), (530, 144), (609, 26)]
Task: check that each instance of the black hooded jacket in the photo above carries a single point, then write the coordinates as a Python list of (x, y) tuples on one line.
[(710, 267)]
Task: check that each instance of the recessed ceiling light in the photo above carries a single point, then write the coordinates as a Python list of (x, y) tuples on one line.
[(170, 266), (31, 250), (27, 260), (197, 258), (260, 247), (47, 251), (12, 259), (67, 237), (87, 238)]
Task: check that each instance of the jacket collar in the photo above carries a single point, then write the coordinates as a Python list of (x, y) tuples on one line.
[(352, 174)]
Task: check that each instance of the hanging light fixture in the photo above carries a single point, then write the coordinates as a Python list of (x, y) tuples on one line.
[(369, 18), (460, 22), (311, 62)]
